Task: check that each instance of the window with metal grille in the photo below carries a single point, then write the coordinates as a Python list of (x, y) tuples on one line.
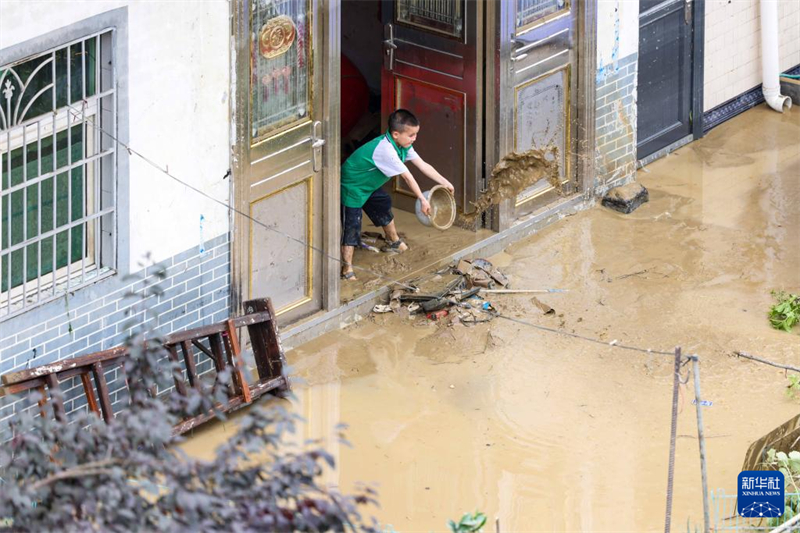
[(532, 12), (57, 172)]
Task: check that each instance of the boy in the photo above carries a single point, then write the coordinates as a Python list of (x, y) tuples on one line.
[(363, 175)]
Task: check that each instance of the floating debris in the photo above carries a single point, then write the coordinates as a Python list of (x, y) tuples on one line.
[(453, 295)]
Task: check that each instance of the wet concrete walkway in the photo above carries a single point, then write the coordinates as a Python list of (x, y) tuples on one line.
[(555, 434)]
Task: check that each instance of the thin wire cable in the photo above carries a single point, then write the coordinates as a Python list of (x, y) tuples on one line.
[(363, 269), (612, 344), (245, 215), (391, 281)]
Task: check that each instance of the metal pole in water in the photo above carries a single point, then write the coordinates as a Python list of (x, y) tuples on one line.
[(701, 439), (673, 430)]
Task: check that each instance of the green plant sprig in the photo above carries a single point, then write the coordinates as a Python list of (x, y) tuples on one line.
[(786, 312)]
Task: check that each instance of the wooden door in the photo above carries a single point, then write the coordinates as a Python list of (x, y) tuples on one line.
[(432, 54)]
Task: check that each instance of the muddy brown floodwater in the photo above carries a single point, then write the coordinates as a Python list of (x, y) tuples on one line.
[(550, 433)]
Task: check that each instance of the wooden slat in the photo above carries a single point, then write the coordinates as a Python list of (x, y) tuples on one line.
[(253, 318), (88, 389), (259, 341), (102, 391), (258, 390), (62, 366), (205, 331), (237, 364), (55, 396), (62, 376), (191, 368), (43, 400), (180, 385), (215, 341), (203, 349), (265, 341), (194, 333), (229, 362)]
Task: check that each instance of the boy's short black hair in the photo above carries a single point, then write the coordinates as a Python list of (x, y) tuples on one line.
[(400, 119)]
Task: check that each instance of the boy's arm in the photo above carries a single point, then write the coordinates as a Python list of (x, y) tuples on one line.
[(414, 186), (431, 172)]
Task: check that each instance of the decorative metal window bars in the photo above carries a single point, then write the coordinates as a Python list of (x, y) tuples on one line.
[(530, 11), (280, 70), (57, 172), (445, 16)]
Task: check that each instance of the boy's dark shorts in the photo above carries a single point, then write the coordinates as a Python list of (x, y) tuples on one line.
[(379, 210)]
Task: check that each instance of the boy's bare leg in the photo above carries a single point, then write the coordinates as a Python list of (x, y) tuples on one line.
[(347, 261), (391, 236)]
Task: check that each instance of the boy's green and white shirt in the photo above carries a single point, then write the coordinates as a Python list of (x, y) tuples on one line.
[(371, 166)]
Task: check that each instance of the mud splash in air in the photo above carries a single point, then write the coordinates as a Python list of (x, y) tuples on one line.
[(515, 173)]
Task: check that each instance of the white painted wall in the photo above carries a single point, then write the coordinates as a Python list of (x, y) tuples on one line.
[(179, 84), (617, 30), (733, 46)]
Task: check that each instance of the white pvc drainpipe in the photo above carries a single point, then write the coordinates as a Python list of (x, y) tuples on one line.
[(769, 57)]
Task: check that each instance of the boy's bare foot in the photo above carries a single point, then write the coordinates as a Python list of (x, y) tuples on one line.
[(349, 276)]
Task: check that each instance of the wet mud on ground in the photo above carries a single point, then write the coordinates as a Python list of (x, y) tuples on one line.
[(427, 246), (555, 434)]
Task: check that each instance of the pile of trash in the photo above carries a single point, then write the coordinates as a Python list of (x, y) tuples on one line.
[(455, 293)]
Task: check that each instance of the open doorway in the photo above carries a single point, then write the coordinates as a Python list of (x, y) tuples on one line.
[(362, 51), (414, 71)]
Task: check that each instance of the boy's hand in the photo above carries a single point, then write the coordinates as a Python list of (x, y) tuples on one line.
[(449, 187), (425, 206)]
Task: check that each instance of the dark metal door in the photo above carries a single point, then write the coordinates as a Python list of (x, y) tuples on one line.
[(664, 101), (431, 59)]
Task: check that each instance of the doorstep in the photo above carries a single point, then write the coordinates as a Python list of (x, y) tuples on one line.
[(324, 321)]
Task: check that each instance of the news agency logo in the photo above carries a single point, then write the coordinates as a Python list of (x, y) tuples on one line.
[(761, 494)]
